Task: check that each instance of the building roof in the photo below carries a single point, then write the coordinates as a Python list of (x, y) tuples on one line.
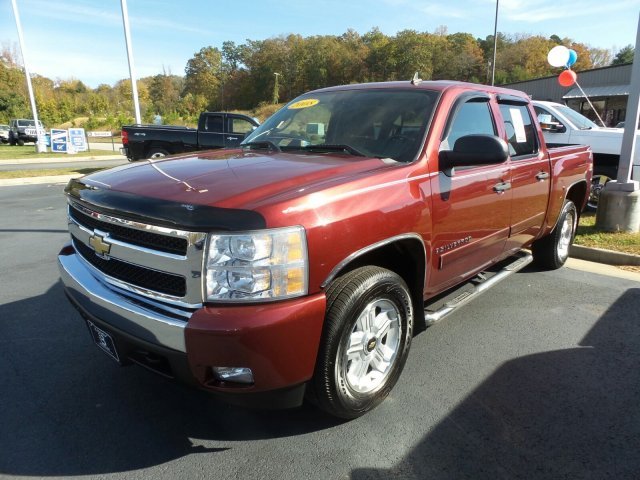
[(603, 91)]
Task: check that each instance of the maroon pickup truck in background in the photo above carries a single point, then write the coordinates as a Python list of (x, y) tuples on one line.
[(302, 263)]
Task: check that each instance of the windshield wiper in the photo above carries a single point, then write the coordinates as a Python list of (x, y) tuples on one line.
[(269, 145), (336, 148)]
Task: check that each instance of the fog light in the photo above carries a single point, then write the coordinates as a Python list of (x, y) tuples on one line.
[(233, 374)]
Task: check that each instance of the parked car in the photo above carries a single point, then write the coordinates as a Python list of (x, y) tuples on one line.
[(302, 262), (215, 130), (4, 133), (22, 130), (562, 125)]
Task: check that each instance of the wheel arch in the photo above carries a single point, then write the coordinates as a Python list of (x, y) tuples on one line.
[(403, 254), (577, 193)]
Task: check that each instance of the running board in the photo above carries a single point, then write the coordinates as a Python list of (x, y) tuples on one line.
[(482, 284)]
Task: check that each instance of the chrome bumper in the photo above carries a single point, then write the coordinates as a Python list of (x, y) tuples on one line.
[(118, 310)]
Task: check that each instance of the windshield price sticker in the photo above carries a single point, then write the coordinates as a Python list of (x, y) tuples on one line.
[(518, 125), (309, 102)]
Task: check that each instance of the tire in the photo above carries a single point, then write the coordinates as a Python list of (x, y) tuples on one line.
[(365, 342), (20, 142), (157, 153), (598, 181), (551, 252)]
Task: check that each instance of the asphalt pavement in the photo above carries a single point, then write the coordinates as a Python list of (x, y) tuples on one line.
[(537, 378)]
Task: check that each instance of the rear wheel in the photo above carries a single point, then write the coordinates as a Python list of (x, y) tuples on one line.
[(551, 252), (157, 153), (365, 343)]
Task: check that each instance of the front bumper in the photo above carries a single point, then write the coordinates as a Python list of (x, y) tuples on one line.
[(278, 341)]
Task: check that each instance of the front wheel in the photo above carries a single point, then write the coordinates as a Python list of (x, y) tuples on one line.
[(551, 252), (365, 343)]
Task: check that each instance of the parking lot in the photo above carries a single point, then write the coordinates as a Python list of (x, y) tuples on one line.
[(535, 379)]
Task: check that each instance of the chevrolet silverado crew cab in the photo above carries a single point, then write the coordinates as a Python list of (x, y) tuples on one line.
[(215, 130), (302, 262), (562, 125)]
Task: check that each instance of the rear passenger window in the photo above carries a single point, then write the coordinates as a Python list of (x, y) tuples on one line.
[(521, 134), (472, 118), (214, 124)]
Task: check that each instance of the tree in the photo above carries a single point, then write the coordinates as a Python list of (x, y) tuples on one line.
[(203, 75), (625, 55)]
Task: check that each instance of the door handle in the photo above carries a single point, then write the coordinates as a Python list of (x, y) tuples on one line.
[(542, 176), (232, 138), (502, 187)]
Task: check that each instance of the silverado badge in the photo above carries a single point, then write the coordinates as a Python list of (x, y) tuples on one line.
[(99, 245)]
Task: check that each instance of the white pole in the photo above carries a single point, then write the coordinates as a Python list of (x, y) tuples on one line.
[(495, 46), (625, 169), (40, 147), (132, 72)]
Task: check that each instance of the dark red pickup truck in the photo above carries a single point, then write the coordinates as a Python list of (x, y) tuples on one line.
[(304, 261)]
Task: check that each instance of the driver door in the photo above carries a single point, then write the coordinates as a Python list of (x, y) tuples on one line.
[(471, 205)]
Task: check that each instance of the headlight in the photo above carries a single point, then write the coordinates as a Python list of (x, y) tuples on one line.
[(252, 266)]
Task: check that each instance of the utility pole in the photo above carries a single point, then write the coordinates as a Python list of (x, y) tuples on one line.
[(495, 46), (132, 72), (40, 146), (276, 87)]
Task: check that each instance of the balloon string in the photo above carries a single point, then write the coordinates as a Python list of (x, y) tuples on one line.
[(594, 109)]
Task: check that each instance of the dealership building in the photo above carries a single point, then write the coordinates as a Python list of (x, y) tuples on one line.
[(606, 87)]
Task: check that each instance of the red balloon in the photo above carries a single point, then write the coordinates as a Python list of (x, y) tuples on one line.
[(567, 78)]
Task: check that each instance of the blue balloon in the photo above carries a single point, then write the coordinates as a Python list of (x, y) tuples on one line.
[(573, 56)]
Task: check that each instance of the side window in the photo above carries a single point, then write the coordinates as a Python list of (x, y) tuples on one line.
[(240, 125), (521, 134), (214, 124), (473, 117)]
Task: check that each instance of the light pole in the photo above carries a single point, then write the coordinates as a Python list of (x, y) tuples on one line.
[(495, 46), (40, 147), (132, 72)]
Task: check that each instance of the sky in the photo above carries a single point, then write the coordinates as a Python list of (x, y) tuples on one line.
[(84, 39)]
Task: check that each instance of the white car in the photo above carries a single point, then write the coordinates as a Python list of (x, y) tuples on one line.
[(4, 133), (562, 125)]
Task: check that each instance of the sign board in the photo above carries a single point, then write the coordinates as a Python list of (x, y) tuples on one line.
[(32, 132), (99, 134), (78, 140), (59, 139)]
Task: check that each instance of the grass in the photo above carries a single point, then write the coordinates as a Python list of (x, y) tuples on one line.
[(8, 152), (46, 172), (588, 235)]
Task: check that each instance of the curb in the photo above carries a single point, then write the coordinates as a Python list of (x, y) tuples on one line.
[(65, 159), (13, 182), (603, 256)]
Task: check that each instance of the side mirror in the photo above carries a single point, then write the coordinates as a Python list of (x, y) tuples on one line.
[(473, 150), (553, 127)]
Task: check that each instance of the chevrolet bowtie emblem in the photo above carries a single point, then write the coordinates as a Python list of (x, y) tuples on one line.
[(98, 244)]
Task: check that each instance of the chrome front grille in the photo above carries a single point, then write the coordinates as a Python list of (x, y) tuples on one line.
[(160, 263)]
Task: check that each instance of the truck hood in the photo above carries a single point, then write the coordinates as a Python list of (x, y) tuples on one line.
[(235, 179)]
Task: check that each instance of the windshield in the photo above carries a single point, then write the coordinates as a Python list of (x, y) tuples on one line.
[(28, 123), (381, 123), (579, 121)]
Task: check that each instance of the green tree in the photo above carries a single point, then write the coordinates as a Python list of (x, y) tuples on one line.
[(203, 75), (625, 55)]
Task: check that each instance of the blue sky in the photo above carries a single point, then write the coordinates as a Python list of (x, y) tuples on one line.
[(84, 39)]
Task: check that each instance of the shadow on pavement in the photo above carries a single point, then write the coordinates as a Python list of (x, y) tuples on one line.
[(67, 409), (562, 414)]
